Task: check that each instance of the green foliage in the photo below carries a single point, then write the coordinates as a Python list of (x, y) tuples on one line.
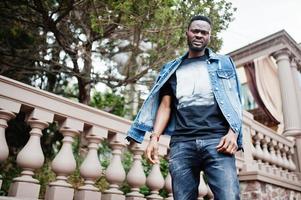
[(45, 175), (48, 43), (9, 170), (109, 102)]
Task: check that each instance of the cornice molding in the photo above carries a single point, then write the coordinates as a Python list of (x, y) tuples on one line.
[(267, 46)]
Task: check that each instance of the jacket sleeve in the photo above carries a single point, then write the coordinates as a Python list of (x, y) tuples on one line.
[(238, 87)]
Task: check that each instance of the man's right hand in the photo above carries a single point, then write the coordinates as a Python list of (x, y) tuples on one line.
[(152, 153)]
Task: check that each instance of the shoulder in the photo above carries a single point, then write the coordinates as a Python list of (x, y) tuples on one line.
[(222, 56), (226, 59), (168, 64)]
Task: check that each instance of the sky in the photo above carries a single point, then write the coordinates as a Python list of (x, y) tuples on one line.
[(255, 19)]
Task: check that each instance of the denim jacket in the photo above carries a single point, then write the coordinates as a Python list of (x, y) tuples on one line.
[(226, 90)]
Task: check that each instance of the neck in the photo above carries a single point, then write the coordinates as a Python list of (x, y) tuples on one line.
[(193, 54)]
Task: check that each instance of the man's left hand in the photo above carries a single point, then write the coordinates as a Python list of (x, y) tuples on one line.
[(228, 143)]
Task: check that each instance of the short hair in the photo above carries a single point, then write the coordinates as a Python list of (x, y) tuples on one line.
[(199, 17)]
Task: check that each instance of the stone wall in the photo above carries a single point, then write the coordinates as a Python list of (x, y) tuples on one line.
[(256, 190)]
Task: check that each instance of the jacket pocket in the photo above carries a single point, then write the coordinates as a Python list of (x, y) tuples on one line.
[(227, 78), (225, 73)]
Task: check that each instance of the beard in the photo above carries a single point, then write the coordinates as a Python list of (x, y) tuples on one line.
[(192, 47)]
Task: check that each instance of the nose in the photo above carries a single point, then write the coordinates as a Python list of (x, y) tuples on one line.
[(198, 34)]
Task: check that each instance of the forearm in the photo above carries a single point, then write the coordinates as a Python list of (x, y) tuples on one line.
[(162, 119)]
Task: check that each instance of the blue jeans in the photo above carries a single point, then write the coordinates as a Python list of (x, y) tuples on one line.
[(188, 158)]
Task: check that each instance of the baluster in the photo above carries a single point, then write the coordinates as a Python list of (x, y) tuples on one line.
[(292, 165), (64, 164), (136, 177), (168, 186), (155, 182), (253, 142), (285, 156), (279, 162), (285, 161), (30, 158), (203, 190), (90, 170), (250, 164), (281, 159), (272, 145), (115, 173), (278, 154), (259, 153), (266, 155), (5, 116), (7, 110)]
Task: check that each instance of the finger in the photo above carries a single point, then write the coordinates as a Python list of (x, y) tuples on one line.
[(224, 146), (229, 148), (156, 152), (220, 144), (234, 149), (156, 155), (149, 155)]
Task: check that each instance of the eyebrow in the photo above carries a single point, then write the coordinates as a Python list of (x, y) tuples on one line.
[(200, 30)]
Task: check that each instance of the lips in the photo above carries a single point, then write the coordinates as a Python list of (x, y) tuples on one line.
[(197, 43)]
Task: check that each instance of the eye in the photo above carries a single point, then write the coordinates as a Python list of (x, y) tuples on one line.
[(205, 32)]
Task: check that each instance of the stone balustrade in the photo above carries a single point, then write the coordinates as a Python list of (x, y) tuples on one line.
[(265, 153), (75, 121)]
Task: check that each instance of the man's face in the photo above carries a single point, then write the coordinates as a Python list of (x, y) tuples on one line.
[(198, 35)]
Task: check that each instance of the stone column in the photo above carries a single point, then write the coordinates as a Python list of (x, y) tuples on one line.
[(5, 116), (115, 173), (288, 93), (64, 163), (31, 157), (90, 170), (249, 149), (136, 177), (8, 109), (168, 181), (168, 186), (297, 81), (155, 182)]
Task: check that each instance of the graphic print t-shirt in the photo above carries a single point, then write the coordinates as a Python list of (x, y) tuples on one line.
[(194, 106)]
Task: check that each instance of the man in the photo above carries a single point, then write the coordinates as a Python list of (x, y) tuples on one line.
[(196, 100)]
